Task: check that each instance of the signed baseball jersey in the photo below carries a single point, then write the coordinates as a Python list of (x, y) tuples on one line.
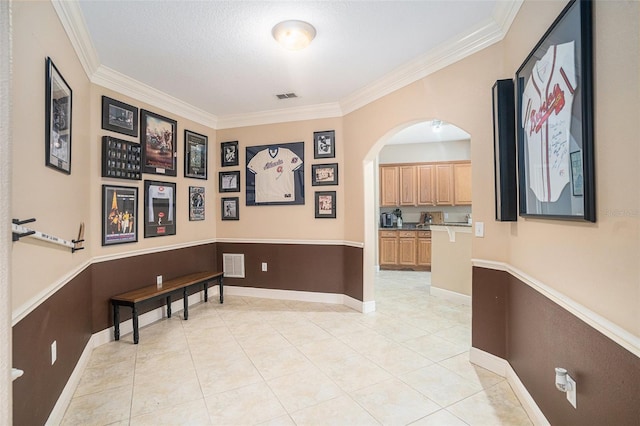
[(275, 178), (546, 117)]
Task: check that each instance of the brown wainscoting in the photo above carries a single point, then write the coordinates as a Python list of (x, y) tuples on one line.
[(301, 267), (66, 318), (489, 307), (541, 335), (121, 275)]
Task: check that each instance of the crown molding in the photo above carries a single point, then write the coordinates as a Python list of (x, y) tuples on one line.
[(311, 112), (72, 20), (504, 12), (121, 83)]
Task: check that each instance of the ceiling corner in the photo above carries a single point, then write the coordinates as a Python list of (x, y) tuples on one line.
[(505, 12)]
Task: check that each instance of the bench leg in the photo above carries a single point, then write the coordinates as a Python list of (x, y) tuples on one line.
[(221, 291), (186, 304), (116, 321), (169, 306), (206, 291), (136, 335)]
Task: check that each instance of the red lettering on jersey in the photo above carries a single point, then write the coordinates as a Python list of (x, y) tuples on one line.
[(279, 169), (553, 104)]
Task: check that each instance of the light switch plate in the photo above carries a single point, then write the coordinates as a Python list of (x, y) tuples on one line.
[(264, 266), (480, 229)]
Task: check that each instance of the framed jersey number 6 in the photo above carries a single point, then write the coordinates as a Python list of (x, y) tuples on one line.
[(555, 120)]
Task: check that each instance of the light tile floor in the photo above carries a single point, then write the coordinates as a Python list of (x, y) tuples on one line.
[(273, 362)]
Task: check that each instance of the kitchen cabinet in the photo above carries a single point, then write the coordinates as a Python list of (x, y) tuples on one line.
[(389, 186), (407, 185), (462, 184), (404, 250), (426, 184), (444, 184)]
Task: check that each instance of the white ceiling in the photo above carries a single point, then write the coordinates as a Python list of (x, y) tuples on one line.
[(219, 56)]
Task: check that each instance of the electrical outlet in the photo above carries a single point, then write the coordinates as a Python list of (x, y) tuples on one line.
[(264, 266), (159, 281), (480, 229), (571, 392), (54, 352)]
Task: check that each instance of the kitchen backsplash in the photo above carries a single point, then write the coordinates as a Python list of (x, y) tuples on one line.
[(412, 214)]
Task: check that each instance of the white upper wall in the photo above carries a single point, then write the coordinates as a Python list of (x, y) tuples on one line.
[(426, 152)]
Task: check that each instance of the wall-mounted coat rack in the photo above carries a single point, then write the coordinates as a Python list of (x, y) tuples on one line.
[(20, 231)]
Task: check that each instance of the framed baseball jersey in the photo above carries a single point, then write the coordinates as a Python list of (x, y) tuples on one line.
[(275, 174), (555, 120)]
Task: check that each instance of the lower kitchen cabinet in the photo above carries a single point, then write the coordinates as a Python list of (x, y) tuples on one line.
[(404, 250)]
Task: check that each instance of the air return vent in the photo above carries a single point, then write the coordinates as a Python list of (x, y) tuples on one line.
[(233, 265), (286, 96)]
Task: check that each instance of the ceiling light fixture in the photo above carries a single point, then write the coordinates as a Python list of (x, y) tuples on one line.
[(294, 35)]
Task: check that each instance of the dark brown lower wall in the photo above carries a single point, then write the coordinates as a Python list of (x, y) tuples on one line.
[(66, 318), (301, 267), (540, 335)]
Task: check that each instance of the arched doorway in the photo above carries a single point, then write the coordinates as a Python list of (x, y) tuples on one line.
[(430, 140)]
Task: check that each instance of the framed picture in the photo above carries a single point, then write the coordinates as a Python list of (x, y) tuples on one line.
[(159, 208), (230, 208), (119, 215), (58, 120), (555, 118), (324, 144), (195, 155), (229, 181), (504, 151), (120, 159), (229, 154), (324, 174), (119, 117), (275, 174), (196, 203), (325, 204), (159, 152)]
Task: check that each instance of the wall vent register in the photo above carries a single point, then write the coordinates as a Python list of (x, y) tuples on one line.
[(233, 265)]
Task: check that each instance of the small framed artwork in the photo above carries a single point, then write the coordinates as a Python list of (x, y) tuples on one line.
[(119, 117), (555, 116), (230, 208), (325, 204), (229, 153), (159, 208), (195, 155), (119, 215), (196, 203), (159, 151), (324, 144), (324, 174), (58, 120), (504, 151), (229, 181)]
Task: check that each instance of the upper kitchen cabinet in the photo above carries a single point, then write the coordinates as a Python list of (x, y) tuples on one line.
[(389, 181), (462, 184), (408, 192), (444, 184), (426, 185)]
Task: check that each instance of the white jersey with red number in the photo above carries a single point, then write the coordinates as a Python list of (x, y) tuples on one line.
[(274, 169), (546, 117)]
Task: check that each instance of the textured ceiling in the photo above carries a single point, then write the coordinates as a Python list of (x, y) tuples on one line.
[(219, 56)]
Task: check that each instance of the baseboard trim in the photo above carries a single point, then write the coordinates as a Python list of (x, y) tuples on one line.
[(502, 368), (453, 296)]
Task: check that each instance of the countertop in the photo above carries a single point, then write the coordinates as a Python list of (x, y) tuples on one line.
[(414, 226)]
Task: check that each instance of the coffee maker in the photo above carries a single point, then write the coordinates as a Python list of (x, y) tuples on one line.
[(386, 220)]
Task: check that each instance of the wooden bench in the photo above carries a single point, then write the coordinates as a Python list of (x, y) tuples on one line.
[(146, 294)]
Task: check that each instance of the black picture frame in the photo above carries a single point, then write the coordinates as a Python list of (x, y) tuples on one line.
[(119, 215), (119, 117), (58, 113), (324, 174), (230, 208), (555, 118), (324, 144), (121, 159), (325, 204), (197, 203), (229, 181), (159, 208), (158, 140), (275, 174), (504, 150), (229, 154), (195, 155)]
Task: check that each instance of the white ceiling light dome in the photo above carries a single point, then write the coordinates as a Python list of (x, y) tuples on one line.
[(294, 34)]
